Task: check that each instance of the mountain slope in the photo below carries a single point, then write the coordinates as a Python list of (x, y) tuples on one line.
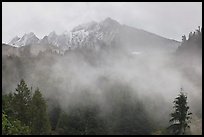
[(105, 33)]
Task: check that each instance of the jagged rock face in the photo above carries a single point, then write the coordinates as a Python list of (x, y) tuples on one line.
[(107, 32), (27, 39), (14, 40)]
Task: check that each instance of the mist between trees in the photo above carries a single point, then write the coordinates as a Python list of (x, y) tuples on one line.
[(109, 91)]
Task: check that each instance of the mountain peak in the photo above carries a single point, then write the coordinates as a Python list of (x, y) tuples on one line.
[(14, 40), (109, 23), (85, 26), (27, 39), (105, 31), (31, 34), (110, 20), (53, 33)]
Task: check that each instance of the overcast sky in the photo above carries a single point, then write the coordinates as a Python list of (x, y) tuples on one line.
[(170, 20)]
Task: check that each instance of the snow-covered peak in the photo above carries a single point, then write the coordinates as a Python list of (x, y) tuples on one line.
[(93, 34), (84, 34), (109, 21), (86, 26), (29, 36), (14, 40), (27, 39)]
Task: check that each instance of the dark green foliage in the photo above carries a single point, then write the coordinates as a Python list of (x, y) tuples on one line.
[(81, 120), (21, 103), (127, 115), (24, 113), (122, 114), (40, 120), (13, 126), (6, 104), (180, 118)]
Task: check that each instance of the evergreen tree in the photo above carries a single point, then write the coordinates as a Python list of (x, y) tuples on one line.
[(6, 104), (180, 118), (21, 103), (13, 126), (40, 120)]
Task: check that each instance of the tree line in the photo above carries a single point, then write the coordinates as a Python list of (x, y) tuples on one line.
[(25, 112)]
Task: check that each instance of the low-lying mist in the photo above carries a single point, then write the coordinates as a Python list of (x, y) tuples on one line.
[(153, 79)]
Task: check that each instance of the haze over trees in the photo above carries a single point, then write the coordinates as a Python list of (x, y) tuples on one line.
[(111, 87)]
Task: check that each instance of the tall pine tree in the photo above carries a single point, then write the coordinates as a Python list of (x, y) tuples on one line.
[(21, 103), (40, 119), (180, 118)]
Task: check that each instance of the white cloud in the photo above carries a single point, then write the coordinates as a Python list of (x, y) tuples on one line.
[(170, 20)]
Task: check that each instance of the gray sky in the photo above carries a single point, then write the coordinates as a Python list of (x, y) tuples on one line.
[(170, 20)]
